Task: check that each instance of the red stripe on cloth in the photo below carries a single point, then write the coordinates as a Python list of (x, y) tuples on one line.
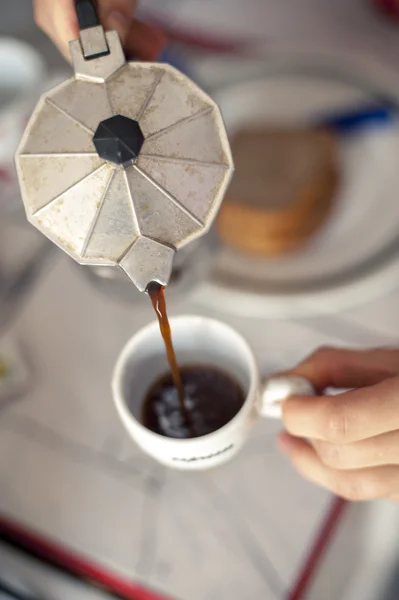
[(318, 550), (132, 591), (77, 565)]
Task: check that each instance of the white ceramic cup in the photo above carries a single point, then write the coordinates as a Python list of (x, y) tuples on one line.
[(197, 340)]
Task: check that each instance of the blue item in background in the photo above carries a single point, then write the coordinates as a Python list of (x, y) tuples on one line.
[(356, 120)]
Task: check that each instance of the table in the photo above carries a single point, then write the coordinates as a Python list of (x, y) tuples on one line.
[(69, 472)]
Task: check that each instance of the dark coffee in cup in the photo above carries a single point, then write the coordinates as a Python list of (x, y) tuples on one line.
[(189, 401), (211, 399)]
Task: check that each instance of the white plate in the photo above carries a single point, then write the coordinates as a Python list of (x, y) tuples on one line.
[(355, 256)]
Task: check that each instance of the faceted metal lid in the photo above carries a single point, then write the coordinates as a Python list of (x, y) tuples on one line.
[(124, 163)]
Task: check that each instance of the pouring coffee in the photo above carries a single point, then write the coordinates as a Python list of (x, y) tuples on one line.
[(125, 163), (191, 401)]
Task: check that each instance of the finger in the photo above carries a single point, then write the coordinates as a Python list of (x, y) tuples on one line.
[(59, 21), (373, 452), (348, 417), (144, 41), (356, 485), (117, 15), (140, 40), (333, 367)]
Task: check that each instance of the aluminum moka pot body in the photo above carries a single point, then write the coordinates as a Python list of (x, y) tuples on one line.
[(124, 163)]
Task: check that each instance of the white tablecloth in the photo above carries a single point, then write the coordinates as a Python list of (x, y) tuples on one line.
[(69, 471)]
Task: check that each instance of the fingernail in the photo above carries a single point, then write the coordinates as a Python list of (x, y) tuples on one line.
[(118, 21), (285, 442)]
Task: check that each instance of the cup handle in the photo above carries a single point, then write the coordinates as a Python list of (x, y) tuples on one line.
[(277, 389)]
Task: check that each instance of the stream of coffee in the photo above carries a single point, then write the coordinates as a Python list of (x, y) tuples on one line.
[(156, 293), (207, 398)]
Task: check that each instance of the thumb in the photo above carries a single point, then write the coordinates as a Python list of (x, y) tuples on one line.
[(59, 21), (334, 367)]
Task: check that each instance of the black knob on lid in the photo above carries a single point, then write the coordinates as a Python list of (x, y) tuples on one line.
[(118, 139)]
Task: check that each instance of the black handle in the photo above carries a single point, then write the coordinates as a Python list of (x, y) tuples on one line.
[(87, 14)]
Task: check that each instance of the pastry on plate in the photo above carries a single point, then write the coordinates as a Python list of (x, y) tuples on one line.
[(282, 190)]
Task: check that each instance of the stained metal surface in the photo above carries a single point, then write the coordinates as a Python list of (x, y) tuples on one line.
[(94, 42), (133, 215)]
